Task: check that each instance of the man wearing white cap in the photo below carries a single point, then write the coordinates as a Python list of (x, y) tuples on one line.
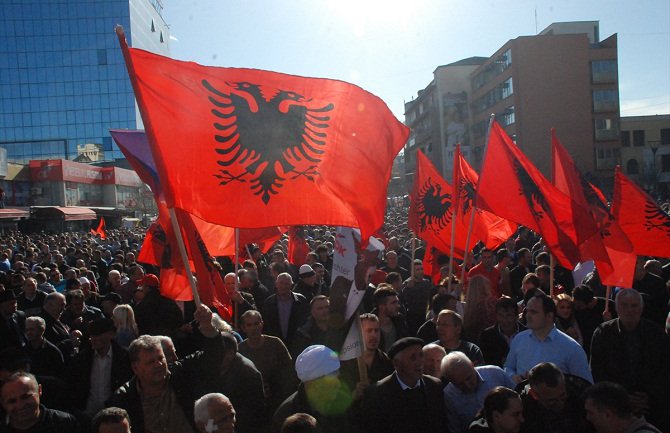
[(320, 393), (306, 284)]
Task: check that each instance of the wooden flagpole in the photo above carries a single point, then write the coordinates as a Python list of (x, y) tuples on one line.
[(552, 289), (453, 234), (237, 266), (413, 246), (472, 215), (362, 368), (467, 248), (184, 256)]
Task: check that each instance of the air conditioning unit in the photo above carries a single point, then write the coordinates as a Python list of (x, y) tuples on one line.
[(36, 191)]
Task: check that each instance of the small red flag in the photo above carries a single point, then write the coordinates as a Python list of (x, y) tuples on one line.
[(249, 148), (100, 231), (297, 246), (512, 187), (211, 288), (645, 223), (609, 248)]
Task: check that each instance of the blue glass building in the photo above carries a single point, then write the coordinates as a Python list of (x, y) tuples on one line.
[(63, 81)]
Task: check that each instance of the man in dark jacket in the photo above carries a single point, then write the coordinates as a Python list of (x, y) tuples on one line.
[(156, 314), (238, 379), (320, 393), (12, 321), (20, 397), (161, 399), (635, 353), (284, 311), (407, 400), (100, 369)]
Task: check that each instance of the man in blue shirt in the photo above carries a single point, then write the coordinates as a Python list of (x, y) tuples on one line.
[(468, 387), (542, 342)]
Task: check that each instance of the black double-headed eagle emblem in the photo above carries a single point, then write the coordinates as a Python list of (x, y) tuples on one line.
[(537, 202), (656, 218), (263, 134), (433, 206)]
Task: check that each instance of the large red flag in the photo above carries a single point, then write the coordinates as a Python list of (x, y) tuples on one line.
[(297, 246), (609, 248), (513, 188), (249, 148), (645, 223), (487, 227), (220, 240)]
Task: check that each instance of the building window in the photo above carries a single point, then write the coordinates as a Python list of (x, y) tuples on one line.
[(665, 136), (605, 100), (606, 129), (665, 163), (604, 71), (607, 158), (493, 69), (102, 57), (162, 37), (638, 138), (632, 167), (507, 117), (153, 27), (625, 138), (507, 88)]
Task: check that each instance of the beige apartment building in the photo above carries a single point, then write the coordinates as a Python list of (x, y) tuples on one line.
[(565, 78)]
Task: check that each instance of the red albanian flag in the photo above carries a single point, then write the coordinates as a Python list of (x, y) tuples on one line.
[(645, 223), (487, 227), (431, 207), (100, 231), (297, 246), (609, 247), (511, 187), (432, 204), (249, 148)]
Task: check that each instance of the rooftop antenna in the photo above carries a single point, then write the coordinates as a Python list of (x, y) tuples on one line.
[(536, 20)]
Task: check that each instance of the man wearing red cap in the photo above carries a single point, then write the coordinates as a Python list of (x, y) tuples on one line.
[(156, 314)]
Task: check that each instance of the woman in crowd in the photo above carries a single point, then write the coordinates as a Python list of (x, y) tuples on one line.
[(565, 317), (502, 413), (126, 328)]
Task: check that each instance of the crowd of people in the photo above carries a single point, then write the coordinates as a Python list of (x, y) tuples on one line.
[(89, 343)]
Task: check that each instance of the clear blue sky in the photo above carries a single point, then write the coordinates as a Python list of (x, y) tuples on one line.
[(391, 47)]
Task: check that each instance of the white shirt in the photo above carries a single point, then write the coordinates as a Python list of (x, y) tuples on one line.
[(101, 382)]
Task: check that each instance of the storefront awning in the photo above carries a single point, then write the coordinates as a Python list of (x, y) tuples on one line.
[(13, 214), (70, 213)]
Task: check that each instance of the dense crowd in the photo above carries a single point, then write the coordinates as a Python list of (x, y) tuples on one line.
[(88, 342)]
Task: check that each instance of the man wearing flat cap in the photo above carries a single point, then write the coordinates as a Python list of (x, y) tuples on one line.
[(320, 393), (99, 368), (12, 321), (406, 401)]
